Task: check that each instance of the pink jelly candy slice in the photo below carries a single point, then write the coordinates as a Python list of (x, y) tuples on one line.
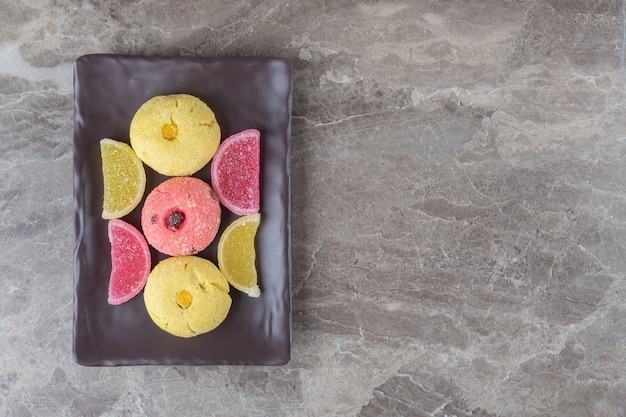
[(235, 172), (130, 261)]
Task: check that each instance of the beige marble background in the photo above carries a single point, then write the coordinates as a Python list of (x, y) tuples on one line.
[(459, 207)]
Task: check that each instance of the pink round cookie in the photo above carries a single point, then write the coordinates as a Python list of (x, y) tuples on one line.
[(181, 216)]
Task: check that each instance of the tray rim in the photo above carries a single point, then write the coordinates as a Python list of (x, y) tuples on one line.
[(78, 237)]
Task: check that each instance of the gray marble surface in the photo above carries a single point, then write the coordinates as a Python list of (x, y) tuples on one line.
[(458, 196)]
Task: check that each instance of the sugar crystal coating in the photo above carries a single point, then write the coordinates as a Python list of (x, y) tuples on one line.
[(130, 261), (181, 216), (235, 172)]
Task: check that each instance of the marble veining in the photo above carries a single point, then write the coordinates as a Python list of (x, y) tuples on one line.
[(458, 207)]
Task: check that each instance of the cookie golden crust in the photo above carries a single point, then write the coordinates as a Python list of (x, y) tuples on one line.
[(176, 135), (187, 296)]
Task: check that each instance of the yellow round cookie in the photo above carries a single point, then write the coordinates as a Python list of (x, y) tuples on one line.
[(175, 135), (187, 296)]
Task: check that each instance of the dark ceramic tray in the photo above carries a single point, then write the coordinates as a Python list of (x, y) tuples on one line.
[(244, 93)]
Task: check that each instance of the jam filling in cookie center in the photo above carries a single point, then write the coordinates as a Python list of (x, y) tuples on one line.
[(184, 298), (169, 131), (175, 220)]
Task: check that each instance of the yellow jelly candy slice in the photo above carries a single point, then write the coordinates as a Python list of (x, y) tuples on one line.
[(236, 254), (124, 179)]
